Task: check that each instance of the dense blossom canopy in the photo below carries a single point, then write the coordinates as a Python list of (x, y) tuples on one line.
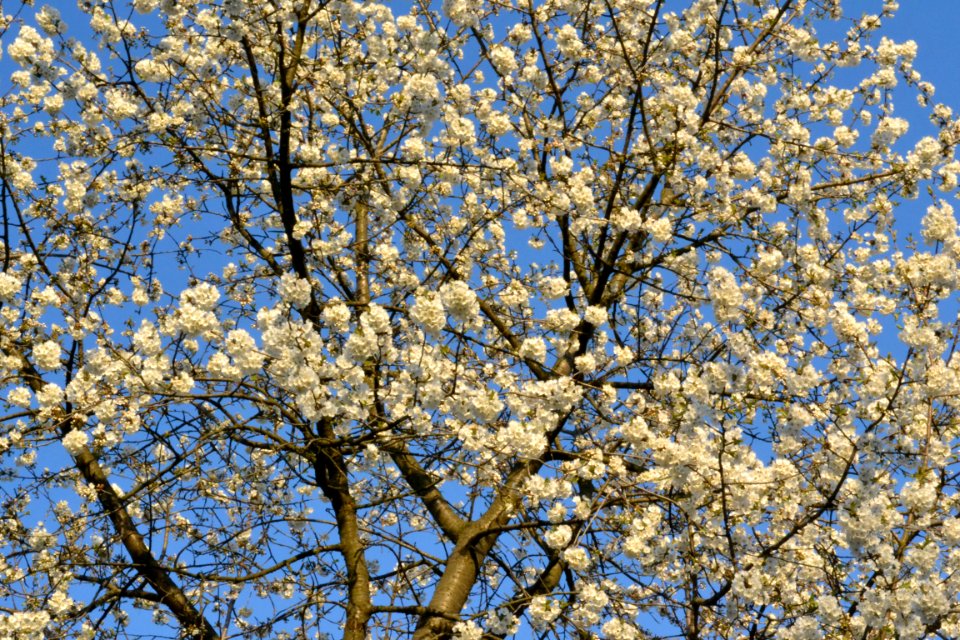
[(473, 319)]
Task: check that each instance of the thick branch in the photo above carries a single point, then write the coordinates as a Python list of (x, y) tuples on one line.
[(331, 475), (425, 487), (168, 592), (191, 620)]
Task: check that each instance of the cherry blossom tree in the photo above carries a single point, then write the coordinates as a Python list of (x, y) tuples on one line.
[(475, 319)]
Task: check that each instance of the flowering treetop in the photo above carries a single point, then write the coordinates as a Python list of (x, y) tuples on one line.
[(473, 319)]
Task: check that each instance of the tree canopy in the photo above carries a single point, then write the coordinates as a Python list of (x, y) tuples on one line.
[(475, 319)]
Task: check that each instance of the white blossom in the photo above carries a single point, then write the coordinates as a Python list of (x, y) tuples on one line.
[(47, 354), (376, 319), (50, 395), (147, 339), (552, 287), (939, 224), (558, 536), (660, 229), (294, 290), (467, 631), (725, 294), (634, 295), (24, 625), (460, 301), (595, 315), (533, 348), (336, 315), (9, 285), (463, 12), (29, 46), (619, 630), (428, 312), (75, 441), (577, 558), (889, 130), (543, 611), (19, 396), (243, 349), (50, 21), (502, 59)]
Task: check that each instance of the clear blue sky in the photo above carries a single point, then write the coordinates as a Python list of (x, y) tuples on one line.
[(935, 25)]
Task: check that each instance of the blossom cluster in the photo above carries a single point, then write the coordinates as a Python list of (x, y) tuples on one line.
[(587, 318)]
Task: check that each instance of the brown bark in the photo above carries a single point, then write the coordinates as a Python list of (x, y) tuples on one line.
[(192, 622), (331, 474), (476, 541)]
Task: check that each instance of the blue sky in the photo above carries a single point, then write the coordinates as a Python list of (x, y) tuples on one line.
[(935, 25)]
